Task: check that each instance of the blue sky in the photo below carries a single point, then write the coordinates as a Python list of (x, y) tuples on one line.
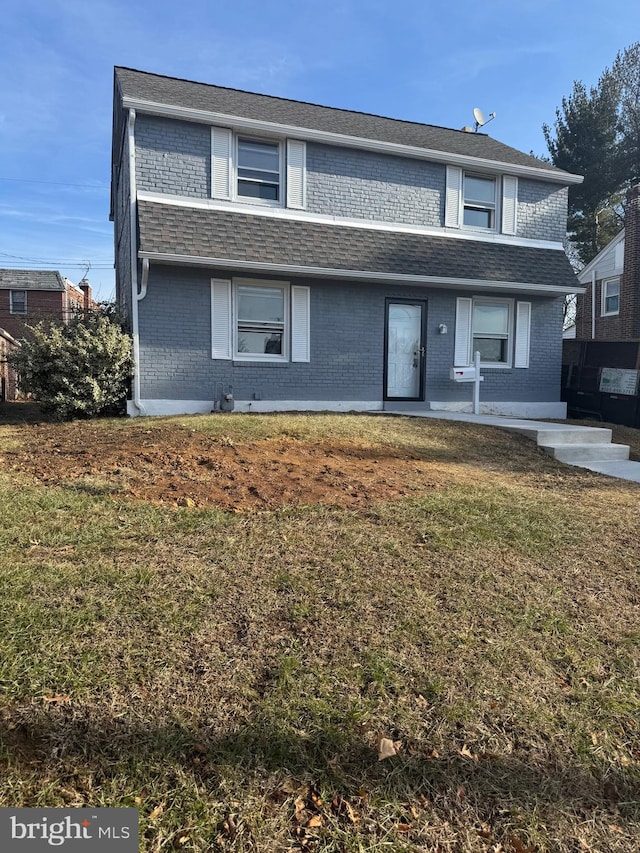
[(423, 61)]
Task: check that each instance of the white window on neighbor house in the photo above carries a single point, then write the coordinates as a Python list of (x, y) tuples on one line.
[(499, 329), (611, 296), (18, 301), (261, 321), (259, 171), (479, 202)]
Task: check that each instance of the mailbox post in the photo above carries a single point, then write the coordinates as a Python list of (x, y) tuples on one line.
[(470, 374)]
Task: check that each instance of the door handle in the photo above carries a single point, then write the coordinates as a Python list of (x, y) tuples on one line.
[(419, 351)]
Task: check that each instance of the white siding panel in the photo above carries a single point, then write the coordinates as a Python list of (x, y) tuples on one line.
[(300, 323), (523, 334), (453, 200), (221, 336), (509, 204), (296, 174), (462, 344), (221, 147)]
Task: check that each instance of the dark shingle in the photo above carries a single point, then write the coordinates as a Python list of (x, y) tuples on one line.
[(203, 96), (31, 279), (261, 239)]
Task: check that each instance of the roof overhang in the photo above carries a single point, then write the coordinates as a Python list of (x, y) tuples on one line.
[(313, 135), (238, 264)]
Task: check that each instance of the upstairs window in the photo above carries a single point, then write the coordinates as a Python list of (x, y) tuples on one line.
[(611, 296), (259, 170), (479, 203), (18, 301)]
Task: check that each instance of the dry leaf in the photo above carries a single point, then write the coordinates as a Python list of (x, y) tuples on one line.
[(519, 847), (314, 821), (57, 699), (299, 807), (403, 827), (594, 738), (467, 753), (615, 828), (199, 747), (229, 827), (157, 811), (386, 748)]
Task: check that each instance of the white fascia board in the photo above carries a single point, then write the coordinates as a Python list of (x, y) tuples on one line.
[(362, 275), (342, 139), (366, 224)]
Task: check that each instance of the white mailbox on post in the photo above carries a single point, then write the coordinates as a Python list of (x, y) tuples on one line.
[(464, 374), (470, 374)]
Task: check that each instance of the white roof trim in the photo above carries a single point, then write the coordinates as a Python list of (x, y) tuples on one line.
[(330, 138), (366, 224), (365, 275), (585, 272)]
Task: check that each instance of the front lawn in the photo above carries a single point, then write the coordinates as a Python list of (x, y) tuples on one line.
[(225, 621)]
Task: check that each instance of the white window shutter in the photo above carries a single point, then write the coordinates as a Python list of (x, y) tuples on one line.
[(296, 174), (523, 334), (453, 198), (300, 323), (462, 345), (221, 318), (509, 204), (221, 145)]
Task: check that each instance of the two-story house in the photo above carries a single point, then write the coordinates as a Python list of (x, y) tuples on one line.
[(303, 257), (29, 296)]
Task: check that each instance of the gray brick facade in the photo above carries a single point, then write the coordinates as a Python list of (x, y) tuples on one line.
[(542, 210), (347, 351), (173, 157), (364, 185)]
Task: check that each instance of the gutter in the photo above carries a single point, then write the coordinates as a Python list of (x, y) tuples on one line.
[(135, 296), (593, 304)]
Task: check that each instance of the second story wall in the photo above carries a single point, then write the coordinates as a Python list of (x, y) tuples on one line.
[(173, 157)]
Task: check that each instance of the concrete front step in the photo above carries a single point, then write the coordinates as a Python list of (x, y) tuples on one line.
[(590, 452)]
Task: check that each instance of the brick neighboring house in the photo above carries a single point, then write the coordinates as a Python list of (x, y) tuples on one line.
[(609, 309), (318, 258), (27, 296)]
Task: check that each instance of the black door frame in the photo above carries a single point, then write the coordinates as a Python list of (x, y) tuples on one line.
[(422, 303)]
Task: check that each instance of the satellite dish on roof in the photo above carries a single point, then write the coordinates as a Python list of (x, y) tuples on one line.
[(478, 116), (480, 119)]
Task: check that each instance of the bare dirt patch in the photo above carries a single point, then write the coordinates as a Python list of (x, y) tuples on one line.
[(191, 468)]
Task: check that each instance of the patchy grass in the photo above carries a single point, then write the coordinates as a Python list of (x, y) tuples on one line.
[(232, 673)]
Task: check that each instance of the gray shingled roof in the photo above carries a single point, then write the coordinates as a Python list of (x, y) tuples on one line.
[(217, 234), (203, 96), (31, 279)]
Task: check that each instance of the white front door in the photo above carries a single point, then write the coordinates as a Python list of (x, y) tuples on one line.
[(405, 350)]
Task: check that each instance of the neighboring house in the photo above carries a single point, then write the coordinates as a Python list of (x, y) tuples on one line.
[(28, 296), (305, 257), (610, 307), (8, 377)]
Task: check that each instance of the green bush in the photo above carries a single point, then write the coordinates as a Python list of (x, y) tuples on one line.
[(81, 369)]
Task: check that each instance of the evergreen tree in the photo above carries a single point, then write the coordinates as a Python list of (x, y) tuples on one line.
[(597, 134)]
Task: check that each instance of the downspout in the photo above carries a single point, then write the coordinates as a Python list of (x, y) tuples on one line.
[(593, 305), (133, 230)]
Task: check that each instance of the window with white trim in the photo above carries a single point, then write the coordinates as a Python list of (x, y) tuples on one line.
[(260, 328), (18, 301), (259, 320), (252, 170), (479, 202), (258, 170), (491, 330), (611, 296)]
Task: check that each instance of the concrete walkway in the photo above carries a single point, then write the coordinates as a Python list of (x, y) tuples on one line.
[(584, 447)]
